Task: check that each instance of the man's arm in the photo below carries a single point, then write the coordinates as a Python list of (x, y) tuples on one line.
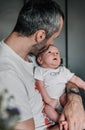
[(73, 111), (26, 125)]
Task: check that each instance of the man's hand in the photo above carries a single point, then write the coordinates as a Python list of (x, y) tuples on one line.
[(73, 111), (64, 125)]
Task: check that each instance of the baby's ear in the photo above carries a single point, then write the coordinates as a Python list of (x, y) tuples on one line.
[(39, 60)]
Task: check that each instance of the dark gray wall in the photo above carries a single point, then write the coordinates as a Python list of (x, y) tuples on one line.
[(8, 15), (76, 37)]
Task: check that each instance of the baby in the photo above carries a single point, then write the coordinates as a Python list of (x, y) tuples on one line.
[(51, 78)]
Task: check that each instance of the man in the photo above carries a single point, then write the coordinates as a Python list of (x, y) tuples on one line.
[(38, 23)]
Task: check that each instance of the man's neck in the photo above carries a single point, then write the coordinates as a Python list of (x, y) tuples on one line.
[(19, 45)]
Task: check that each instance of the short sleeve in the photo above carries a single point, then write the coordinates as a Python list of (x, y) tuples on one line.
[(68, 74), (38, 73)]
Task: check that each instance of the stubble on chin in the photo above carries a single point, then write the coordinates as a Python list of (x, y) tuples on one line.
[(37, 47)]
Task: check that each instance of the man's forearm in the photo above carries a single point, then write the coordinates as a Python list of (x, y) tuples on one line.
[(73, 109), (73, 92)]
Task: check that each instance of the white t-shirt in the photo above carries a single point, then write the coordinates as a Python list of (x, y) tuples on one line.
[(54, 79), (16, 75)]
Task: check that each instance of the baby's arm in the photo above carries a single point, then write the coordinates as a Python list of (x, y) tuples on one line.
[(78, 81), (47, 99)]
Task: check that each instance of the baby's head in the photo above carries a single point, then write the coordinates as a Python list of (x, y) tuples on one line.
[(49, 57)]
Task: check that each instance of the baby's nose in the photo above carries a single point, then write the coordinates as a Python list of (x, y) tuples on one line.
[(54, 53)]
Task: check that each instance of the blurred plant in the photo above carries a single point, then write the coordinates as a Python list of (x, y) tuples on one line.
[(8, 115)]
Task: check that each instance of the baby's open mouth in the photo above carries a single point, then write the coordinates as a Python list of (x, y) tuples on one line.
[(55, 59)]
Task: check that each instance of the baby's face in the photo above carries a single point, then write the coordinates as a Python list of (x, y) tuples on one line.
[(50, 58)]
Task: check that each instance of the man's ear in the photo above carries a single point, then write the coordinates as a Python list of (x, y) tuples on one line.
[(40, 36)]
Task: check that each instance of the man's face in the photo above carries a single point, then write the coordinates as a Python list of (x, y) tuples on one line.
[(38, 46)]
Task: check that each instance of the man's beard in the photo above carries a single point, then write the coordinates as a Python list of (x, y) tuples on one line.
[(38, 47)]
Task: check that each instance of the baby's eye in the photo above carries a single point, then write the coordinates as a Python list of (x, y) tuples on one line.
[(49, 51)]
